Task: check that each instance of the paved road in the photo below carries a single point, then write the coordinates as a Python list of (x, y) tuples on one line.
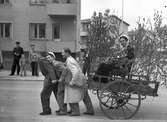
[(20, 102)]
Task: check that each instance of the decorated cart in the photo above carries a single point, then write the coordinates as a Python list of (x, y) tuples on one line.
[(120, 96)]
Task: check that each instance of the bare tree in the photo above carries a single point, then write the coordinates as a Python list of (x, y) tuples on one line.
[(103, 31), (149, 41)]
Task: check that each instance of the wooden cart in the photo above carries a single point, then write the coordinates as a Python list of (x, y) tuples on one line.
[(121, 98)]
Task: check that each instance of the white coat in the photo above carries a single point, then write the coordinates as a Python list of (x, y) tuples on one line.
[(74, 94)]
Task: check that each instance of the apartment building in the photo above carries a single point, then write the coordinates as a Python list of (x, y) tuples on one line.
[(49, 24)]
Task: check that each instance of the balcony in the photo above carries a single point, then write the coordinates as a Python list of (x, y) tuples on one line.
[(63, 9)]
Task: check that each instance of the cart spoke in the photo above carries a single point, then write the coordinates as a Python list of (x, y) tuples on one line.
[(123, 110), (107, 100), (128, 109), (133, 98), (112, 102), (127, 89), (132, 105)]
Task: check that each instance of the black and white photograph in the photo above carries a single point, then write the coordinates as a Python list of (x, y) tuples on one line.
[(83, 60)]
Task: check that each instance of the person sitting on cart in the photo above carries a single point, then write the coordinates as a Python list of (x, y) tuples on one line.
[(120, 66), (126, 55)]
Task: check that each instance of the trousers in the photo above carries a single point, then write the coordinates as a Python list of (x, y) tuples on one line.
[(34, 68), (48, 88), (14, 66), (60, 97)]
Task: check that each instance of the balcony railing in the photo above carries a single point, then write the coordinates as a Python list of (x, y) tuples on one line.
[(6, 4), (38, 2), (64, 8), (60, 1)]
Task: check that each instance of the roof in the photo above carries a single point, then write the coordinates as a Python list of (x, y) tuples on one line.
[(87, 20), (120, 19)]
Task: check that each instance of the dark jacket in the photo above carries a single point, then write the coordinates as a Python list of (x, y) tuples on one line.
[(47, 69), (17, 52), (130, 53)]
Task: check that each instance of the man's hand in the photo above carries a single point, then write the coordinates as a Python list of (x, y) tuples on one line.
[(54, 81), (16, 54), (71, 84), (60, 80)]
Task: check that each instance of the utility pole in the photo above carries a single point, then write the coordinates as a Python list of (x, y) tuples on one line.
[(122, 16)]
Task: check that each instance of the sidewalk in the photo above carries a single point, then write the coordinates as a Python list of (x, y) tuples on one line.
[(4, 75)]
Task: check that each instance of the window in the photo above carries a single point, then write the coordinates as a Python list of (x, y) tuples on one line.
[(37, 30), (4, 1), (66, 1), (5, 30), (56, 31), (37, 1), (61, 1), (56, 1)]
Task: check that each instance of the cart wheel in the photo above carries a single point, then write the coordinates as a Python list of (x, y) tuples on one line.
[(119, 100)]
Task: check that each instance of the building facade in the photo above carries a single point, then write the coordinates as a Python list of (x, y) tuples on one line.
[(49, 24), (84, 32)]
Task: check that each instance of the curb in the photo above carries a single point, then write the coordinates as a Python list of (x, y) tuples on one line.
[(20, 79)]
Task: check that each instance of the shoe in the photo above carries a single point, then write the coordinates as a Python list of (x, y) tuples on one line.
[(74, 114), (61, 113), (69, 112), (11, 74), (57, 111), (89, 113), (45, 113)]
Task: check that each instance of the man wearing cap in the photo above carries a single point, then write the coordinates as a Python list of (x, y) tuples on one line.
[(61, 73), (17, 52), (52, 69), (48, 87)]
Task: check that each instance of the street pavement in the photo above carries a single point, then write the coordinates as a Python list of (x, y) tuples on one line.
[(20, 102), (4, 75)]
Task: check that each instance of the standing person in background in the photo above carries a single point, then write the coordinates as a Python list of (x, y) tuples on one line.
[(84, 62), (33, 59), (1, 60), (23, 65), (17, 52)]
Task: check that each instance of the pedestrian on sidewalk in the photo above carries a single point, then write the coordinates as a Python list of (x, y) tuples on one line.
[(17, 52), (33, 59), (23, 66)]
